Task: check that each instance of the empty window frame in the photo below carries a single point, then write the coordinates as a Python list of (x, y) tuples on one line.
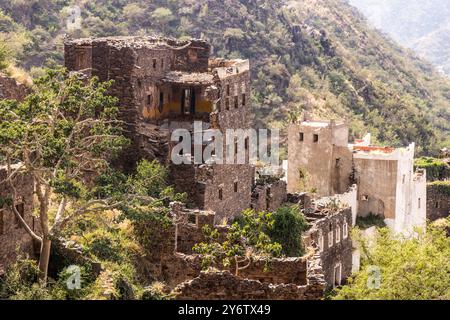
[(235, 186), (330, 238), (243, 97), (161, 101), (154, 63), (301, 136), (345, 230), (338, 234), (320, 242), (192, 219), (337, 275), (236, 102), (315, 138), (220, 193)]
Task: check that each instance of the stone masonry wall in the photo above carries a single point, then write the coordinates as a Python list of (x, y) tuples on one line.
[(269, 197), (438, 202), (225, 189), (333, 242), (223, 285), (12, 235)]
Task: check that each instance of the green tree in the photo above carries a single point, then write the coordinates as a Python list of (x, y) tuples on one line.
[(63, 135), (402, 269), (246, 239), (162, 15), (289, 224)]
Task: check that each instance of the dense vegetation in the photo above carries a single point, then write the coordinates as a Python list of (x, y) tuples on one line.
[(437, 169), (307, 55), (394, 268), (260, 235)]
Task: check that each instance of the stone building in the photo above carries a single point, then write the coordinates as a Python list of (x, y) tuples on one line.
[(164, 84), (438, 200), (14, 239), (330, 235), (323, 162), (269, 196), (319, 159), (389, 187)]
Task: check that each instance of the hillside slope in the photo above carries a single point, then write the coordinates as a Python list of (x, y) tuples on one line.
[(420, 25), (316, 55)]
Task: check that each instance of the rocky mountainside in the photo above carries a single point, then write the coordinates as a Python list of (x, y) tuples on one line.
[(423, 26), (315, 55)]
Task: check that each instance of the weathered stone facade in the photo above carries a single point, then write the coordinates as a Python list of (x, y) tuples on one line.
[(330, 234), (162, 85), (269, 197), (319, 158), (14, 239), (322, 161), (11, 89), (438, 200), (225, 189), (222, 285)]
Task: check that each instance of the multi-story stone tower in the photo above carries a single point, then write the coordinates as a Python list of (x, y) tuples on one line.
[(164, 84)]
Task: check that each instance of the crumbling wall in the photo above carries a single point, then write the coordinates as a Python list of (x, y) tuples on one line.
[(438, 201), (269, 197), (225, 189), (13, 237), (192, 57), (318, 157), (233, 108), (11, 89), (330, 234), (223, 285)]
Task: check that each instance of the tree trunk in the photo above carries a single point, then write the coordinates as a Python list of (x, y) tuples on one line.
[(44, 259)]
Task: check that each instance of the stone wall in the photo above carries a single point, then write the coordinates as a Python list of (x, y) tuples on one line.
[(225, 189), (11, 89), (12, 235), (330, 234), (223, 285), (438, 201), (319, 158), (269, 197)]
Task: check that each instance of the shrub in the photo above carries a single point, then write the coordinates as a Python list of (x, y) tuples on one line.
[(287, 230)]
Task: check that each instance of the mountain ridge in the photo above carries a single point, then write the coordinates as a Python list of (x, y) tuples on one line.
[(318, 56)]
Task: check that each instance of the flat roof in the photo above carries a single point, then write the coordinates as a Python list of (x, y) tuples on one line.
[(136, 42), (192, 78)]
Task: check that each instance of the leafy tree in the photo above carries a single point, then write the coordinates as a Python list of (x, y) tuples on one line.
[(402, 269), (162, 15), (63, 135), (289, 224), (246, 239)]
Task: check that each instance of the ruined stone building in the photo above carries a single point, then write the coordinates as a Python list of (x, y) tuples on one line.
[(322, 161), (318, 159), (330, 233), (164, 84), (14, 239)]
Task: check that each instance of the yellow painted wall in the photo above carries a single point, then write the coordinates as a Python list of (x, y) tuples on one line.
[(174, 106)]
